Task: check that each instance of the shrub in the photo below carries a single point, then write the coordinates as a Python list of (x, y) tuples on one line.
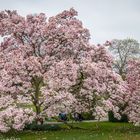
[(42, 127), (111, 117)]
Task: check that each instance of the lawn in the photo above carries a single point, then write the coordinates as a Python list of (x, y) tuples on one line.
[(81, 131)]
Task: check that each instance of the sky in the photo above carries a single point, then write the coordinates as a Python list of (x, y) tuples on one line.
[(106, 19)]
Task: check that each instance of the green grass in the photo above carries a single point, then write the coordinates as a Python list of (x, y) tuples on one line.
[(82, 131)]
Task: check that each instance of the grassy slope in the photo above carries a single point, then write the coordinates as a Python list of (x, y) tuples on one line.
[(90, 131)]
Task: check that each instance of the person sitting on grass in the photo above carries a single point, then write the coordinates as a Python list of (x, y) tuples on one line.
[(78, 117), (63, 117)]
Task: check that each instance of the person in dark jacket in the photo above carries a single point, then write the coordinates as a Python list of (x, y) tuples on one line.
[(63, 116), (78, 117)]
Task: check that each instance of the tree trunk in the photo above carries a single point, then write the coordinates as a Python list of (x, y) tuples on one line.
[(37, 83)]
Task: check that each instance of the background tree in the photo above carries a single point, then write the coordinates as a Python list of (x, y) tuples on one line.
[(123, 51)]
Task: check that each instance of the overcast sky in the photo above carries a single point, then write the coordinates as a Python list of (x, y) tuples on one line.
[(106, 19)]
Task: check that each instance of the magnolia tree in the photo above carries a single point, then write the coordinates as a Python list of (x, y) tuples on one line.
[(133, 79), (50, 64)]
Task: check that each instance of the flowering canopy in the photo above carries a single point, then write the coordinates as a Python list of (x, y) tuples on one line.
[(52, 64)]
